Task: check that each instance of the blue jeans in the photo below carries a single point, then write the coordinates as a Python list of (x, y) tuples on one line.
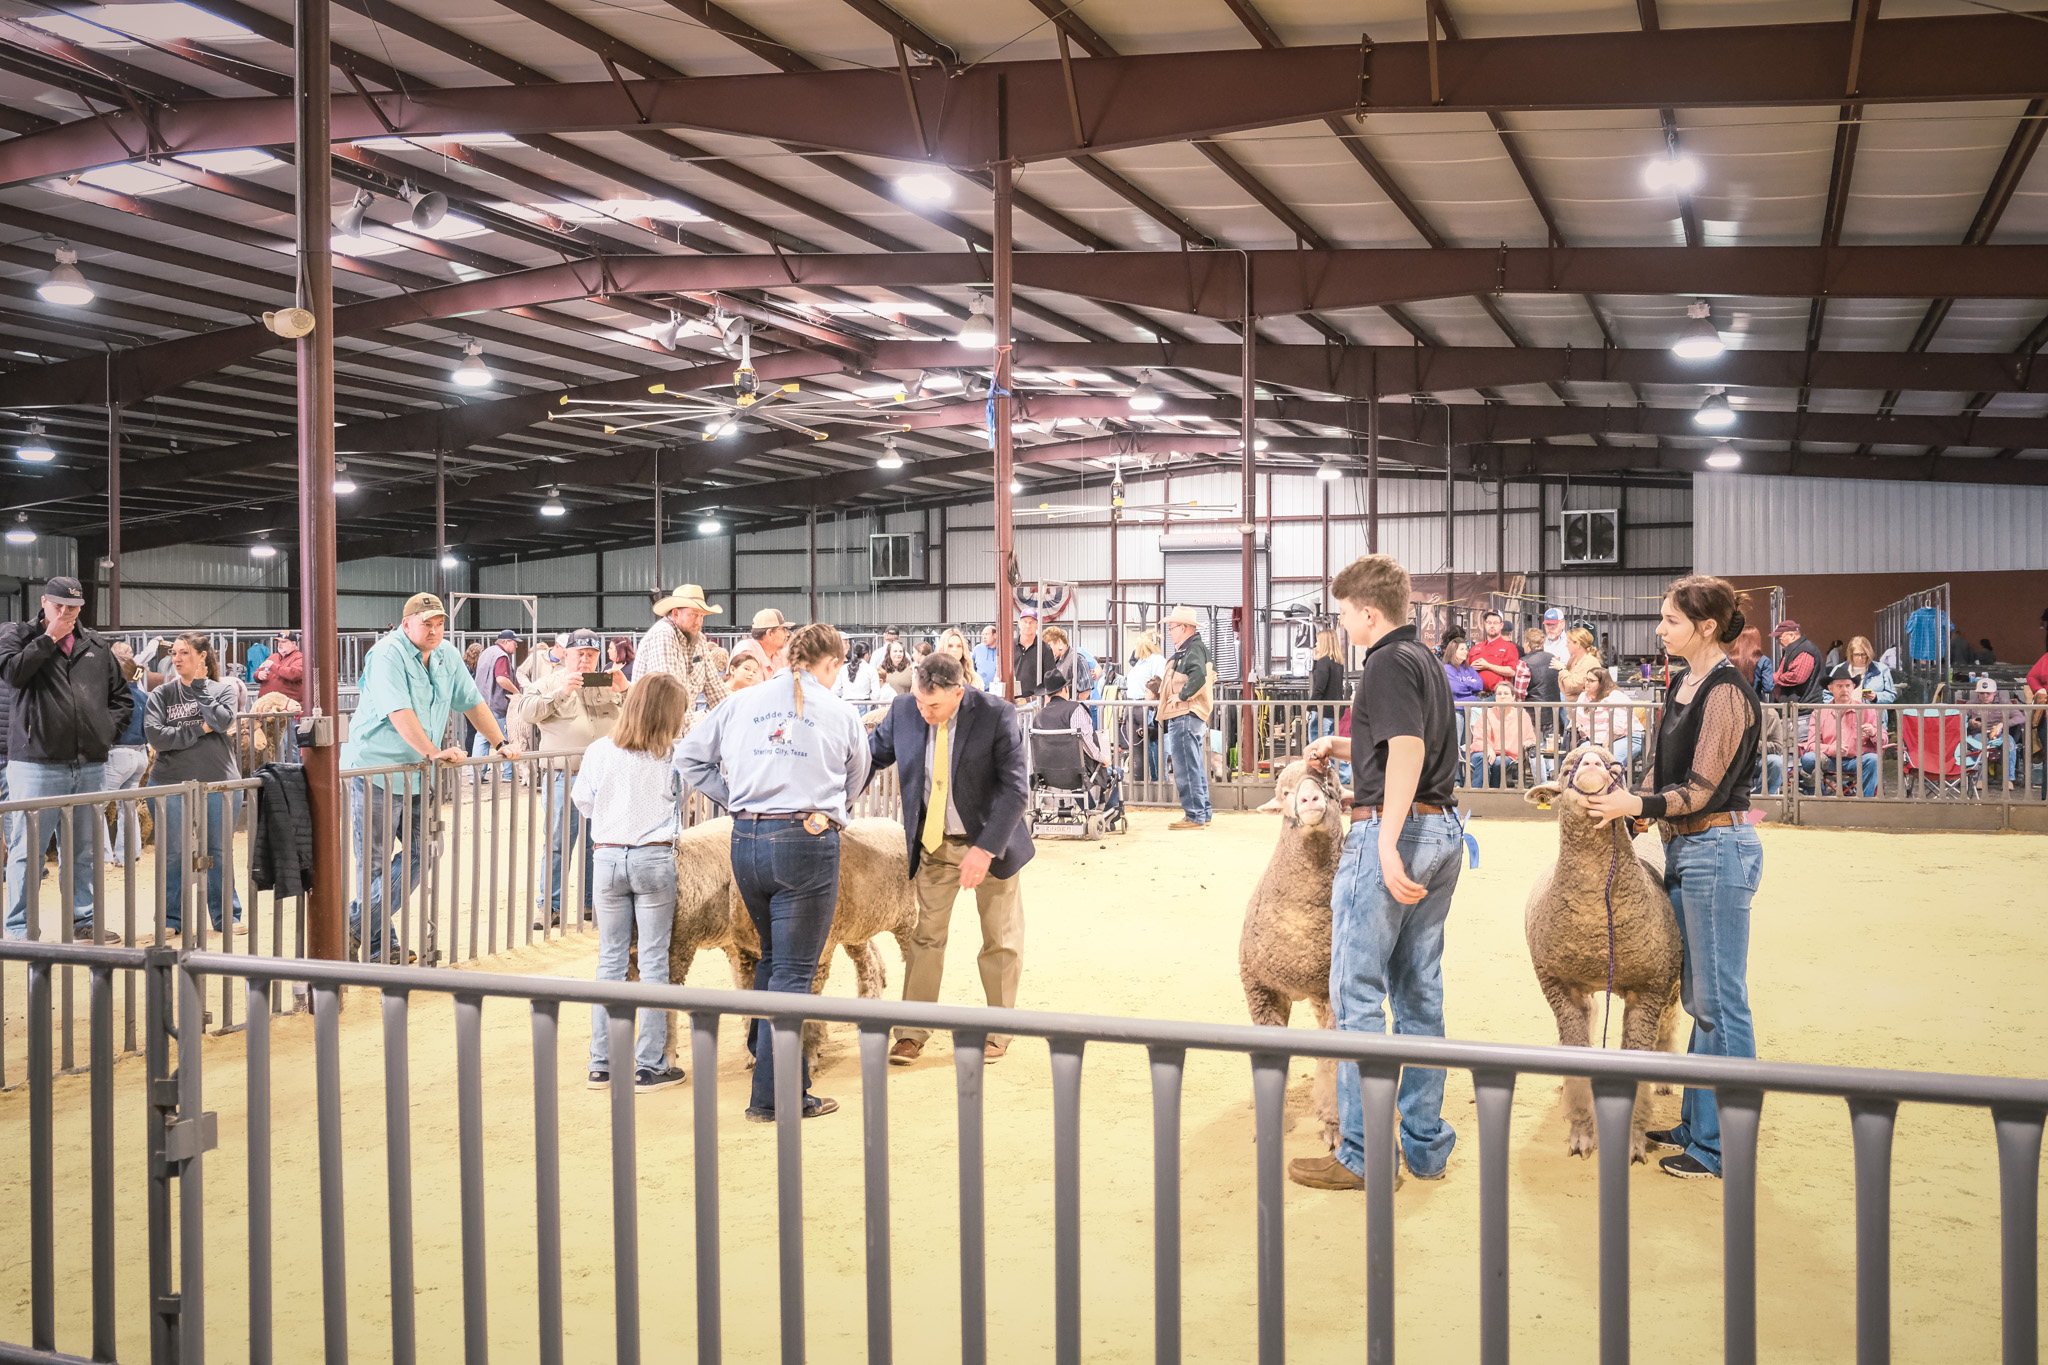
[(636, 887), (222, 813), (1384, 952), (1324, 722), (480, 747), (789, 879), (125, 765), (26, 782), (401, 818), (1187, 750), (568, 822), (1838, 767), (1712, 876)]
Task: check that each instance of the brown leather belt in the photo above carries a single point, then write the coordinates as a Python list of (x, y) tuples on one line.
[(1419, 808), (1699, 824)]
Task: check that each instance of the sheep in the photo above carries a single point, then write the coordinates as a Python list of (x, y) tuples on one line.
[(875, 897), (1567, 928), (1284, 953)]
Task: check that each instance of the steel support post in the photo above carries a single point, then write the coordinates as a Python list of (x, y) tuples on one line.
[(113, 621), (326, 910), (1005, 462), (1248, 521)]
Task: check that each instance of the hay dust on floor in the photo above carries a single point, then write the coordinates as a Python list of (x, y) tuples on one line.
[(1912, 950)]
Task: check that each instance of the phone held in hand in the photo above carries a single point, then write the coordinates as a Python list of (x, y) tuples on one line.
[(597, 680)]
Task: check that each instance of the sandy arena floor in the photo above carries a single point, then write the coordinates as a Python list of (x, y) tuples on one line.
[(1888, 950)]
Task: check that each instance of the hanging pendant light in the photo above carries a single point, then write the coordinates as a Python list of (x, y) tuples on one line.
[(977, 333), (553, 506), (1329, 470), (65, 285), (342, 482), (1146, 398), (890, 457), (472, 373), (1715, 412), (263, 549), (1724, 457), (35, 449), (709, 526), (1700, 340), (21, 533)]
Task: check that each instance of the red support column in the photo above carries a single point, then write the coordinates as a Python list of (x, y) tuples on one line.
[(1005, 454)]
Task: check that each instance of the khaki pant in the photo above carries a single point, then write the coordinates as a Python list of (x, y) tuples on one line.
[(1001, 903)]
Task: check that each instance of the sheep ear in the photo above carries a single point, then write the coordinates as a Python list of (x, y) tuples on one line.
[(1543, 794)]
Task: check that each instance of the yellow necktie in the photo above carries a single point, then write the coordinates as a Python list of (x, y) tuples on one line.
[(942, 772)]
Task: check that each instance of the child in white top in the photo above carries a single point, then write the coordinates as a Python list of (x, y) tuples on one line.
[(629, 789)]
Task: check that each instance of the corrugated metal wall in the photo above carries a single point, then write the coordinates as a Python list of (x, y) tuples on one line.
[(1754, 524)]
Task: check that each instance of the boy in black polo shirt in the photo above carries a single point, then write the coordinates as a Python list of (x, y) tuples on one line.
[(1399, 868)]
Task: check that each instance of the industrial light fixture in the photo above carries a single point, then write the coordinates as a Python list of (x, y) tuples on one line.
[(553, 506), (1016, 486), (429, 207), (925, 189), (472, 373), (35, 448), (1145, 398), (1715, 412), (449, 561), (720, 425), (1329, 470), (977, 333), (20, 533), (1724, 457), (1679, 173), (342, 482), (65, 285), (890, 458), (709, 526), (263, 549), (1700, 340), (350, 224)]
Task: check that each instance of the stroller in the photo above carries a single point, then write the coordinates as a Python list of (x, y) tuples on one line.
[(1072, 795)]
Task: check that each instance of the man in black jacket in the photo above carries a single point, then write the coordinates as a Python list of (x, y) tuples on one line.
[(70, 703), (959, 756)]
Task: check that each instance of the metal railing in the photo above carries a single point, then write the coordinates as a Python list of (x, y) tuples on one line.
[(1894, 629), (182, 1135)]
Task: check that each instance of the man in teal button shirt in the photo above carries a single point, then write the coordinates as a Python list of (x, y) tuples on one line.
[(412, 679)]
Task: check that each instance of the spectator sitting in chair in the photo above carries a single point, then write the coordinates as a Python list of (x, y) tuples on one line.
[(1991, 727), (1607, 718), (1842, 736), (1501, 734), (1063, 712)]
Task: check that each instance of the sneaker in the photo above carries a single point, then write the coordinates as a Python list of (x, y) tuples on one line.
[(817, 1106), (1687, 1167), (85, 936), (1324, 1173), (645, 1080), (1664, 1137), (1189, 824), (598, 1080)]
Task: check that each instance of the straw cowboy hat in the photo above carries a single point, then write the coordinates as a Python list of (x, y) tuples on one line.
[(1182, 616), (686, 595)]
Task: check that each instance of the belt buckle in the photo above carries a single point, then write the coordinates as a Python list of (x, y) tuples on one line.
[(816, 822)]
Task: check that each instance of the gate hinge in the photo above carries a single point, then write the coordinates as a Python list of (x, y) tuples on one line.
[(187, 1138)]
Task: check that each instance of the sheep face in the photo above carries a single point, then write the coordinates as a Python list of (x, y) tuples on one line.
[(1586, 771), (1310, 799)]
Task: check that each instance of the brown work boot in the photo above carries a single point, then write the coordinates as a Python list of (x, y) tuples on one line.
[(1324, 1173), (906, 1051), (1189, 824)]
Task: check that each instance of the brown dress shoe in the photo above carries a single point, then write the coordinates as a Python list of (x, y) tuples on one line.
[(906, 1051), (1324, 1173), (993, 1050)]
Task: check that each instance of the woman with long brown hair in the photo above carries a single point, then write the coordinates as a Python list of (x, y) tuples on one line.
[(1696, 786), (190, 722)]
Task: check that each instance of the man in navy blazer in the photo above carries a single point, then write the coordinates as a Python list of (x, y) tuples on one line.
[(967, 824)]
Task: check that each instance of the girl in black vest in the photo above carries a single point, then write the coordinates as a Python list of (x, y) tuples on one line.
[(1696, 786)]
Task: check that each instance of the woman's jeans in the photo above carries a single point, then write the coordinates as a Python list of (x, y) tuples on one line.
[(1322, 720), (1187, 751), (636, 889), (1712, 876), (1385, 953), (222, 810), (789, 879)]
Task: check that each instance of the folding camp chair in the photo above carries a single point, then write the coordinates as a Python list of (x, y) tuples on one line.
[(1930, 753)]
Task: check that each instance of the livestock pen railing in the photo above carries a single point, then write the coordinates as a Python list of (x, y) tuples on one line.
[(444, 861), (1911, 755), (184, 1151)]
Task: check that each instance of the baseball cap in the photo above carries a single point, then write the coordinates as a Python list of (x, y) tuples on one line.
[(508, 635), (583, 639), (1554, 614), (768, 618), (1788, 627), (1987, 686), (423, 604), (64, 591)]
